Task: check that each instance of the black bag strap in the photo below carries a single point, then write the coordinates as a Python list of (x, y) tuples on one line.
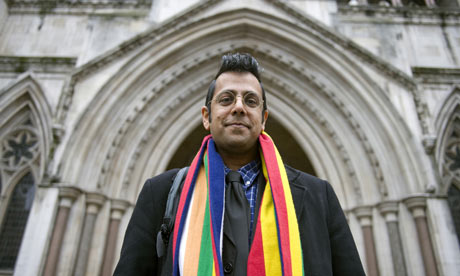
[(170, 213)]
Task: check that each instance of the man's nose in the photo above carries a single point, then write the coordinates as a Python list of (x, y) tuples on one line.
[(239, 104)]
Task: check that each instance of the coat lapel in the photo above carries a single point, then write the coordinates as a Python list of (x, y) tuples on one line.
[(298, 191)]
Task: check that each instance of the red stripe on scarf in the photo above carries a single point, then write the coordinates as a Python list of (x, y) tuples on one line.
[(279, 200), (256, 261)]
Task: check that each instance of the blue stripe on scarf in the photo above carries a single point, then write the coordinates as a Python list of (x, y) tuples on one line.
[(216, 196)]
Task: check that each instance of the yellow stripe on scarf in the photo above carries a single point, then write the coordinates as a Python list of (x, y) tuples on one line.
[(296, 250), (269, 230)]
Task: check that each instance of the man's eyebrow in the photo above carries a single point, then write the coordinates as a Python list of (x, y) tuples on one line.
[(234, 91)]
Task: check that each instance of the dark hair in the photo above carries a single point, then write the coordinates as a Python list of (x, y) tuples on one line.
[(236, 63)]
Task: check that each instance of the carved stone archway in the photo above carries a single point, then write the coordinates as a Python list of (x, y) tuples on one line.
[(341, 116)]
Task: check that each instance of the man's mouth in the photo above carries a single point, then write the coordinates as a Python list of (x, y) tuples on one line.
[(237, 124)]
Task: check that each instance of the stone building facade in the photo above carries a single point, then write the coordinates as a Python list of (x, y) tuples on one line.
[(97, 96)]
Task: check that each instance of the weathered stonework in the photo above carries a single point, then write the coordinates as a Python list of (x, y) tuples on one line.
[(97, 96)]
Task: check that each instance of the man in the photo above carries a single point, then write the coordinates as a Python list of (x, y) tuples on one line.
[(241, 211)]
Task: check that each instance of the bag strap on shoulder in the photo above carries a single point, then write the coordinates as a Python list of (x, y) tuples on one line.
[(170, 213)]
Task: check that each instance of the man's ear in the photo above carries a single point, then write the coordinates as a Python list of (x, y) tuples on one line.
[(205, 117), (265, 119)]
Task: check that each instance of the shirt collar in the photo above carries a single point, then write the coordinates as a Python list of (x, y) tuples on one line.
[(249, 171)]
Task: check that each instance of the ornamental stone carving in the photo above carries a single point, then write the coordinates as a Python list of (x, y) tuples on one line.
[(19, 148), (451, 166)]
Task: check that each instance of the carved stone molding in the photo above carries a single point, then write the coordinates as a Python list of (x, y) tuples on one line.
[(431, 75), (69, 192), (20, 64), (403, 14), (76, 7), (429, 143), (58, 133)]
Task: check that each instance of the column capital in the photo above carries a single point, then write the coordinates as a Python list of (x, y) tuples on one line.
[(364, 214), (95, 198), (416, 204), (390, 206), (69, 192), (389, 210), (416, 201), (363, 211), (94, 201), (120, 204)]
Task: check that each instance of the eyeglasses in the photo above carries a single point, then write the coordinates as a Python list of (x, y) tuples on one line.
[(227, 98)]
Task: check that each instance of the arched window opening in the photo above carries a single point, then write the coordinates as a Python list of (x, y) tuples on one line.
[(15, 220), (453, 197)]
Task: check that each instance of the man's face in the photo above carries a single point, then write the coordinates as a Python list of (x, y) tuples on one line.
[(235, 128)]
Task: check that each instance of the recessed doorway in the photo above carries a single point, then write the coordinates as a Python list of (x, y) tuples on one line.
[(290, 151)]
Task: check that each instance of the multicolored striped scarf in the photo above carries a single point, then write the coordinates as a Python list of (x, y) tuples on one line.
[(198, 235)]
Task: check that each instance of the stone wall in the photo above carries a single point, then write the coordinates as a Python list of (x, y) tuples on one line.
[(369, 92)]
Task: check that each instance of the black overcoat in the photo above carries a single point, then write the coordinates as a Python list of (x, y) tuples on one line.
[(327, 244)]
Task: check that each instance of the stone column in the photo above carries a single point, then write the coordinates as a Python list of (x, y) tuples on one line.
[(118, 208), (389, 211), (364, 214), (66, 197), (417, 205), (93, 203)]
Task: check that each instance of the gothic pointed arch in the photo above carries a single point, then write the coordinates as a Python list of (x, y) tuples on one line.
[(341, 117), (25, 127), (25, 133)]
